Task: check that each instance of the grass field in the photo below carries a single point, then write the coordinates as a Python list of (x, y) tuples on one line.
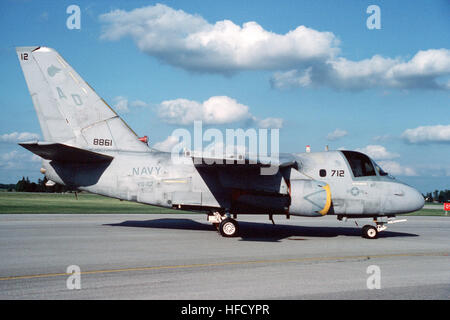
[(427, 212), (22, 202)]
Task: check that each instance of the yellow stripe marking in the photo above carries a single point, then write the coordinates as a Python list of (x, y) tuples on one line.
[(61, 62), (325, 209), (219, 264), (73, 77), (174, 181)]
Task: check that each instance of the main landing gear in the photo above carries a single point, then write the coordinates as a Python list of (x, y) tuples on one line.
[(227, 226)]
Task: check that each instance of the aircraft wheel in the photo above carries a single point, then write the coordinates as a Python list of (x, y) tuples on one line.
[(369, 232), (229, 228)]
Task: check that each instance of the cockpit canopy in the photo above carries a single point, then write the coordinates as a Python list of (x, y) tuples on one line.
[(362, 165)]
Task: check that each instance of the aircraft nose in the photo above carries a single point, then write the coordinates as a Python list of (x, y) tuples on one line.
[(416, 199), (403, 199), (413, 198)]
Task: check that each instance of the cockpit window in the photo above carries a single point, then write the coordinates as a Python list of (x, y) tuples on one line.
[(381, 172), (360, 164)]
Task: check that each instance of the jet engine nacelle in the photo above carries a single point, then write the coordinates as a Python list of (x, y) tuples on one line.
[(309, 198)]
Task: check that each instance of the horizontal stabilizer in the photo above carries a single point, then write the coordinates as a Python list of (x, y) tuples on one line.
[(65, 153)]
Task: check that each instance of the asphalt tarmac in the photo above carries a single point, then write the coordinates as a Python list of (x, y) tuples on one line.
[(183, 257)]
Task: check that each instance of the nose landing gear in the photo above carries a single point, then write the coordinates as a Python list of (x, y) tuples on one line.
[(371, 232)]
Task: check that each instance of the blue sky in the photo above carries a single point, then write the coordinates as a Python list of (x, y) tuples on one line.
[(332, 82)]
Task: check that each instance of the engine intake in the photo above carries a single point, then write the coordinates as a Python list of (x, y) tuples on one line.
[(309, 198)]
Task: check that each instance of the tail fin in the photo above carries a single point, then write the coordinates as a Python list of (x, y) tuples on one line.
[(69, 110)]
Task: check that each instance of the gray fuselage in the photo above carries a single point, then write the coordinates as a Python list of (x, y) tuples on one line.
[(152, 178)]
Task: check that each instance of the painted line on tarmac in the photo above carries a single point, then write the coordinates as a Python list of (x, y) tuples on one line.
[(220, 264)]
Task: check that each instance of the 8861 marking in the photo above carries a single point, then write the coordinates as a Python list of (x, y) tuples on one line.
[(102, 142)]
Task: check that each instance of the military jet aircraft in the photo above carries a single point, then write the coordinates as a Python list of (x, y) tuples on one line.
[(87, 146)]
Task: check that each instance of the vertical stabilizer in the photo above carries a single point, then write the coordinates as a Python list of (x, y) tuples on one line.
[(69, 110)]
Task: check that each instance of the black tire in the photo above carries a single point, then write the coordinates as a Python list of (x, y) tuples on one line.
[(369, 232), (229, 228)]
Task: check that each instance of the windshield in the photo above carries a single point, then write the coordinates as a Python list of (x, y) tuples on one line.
[(360, 164), (381, 172)]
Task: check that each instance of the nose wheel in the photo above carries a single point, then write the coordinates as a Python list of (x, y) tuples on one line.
[(369, 232)]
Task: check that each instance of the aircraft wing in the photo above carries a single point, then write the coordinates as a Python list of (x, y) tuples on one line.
[(65, 153), (244, 162)]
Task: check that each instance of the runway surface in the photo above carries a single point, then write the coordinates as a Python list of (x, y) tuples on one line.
[(183, 257)]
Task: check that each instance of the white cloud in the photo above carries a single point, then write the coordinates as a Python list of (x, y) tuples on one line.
[(121, 104), (428, 134), (422, 71), (395, 169), (269, 123), (384, 159), (9, 155), (15, 137), (378, 152), (190, 42), (167, 144), (18, 160), (35, 158), (302, 57), (336, 134), (215, 110), (139, 104), (382, 138)]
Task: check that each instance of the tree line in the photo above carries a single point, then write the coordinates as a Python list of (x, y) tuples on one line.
[(438, 196), (25, 185)]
